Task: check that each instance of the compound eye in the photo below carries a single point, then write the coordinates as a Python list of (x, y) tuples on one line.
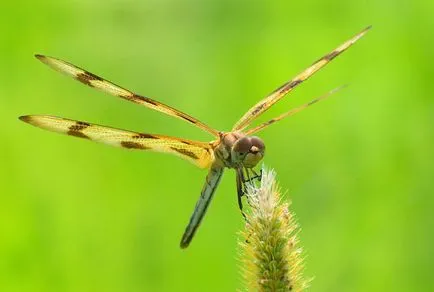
[(243, 145), (258, 143)]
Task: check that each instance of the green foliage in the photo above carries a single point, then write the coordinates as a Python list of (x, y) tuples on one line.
[(78, 216)]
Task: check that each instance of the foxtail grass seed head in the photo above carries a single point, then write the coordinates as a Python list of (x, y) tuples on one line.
[(270, 257)]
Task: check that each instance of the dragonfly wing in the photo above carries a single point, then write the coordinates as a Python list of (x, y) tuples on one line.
[(198, 153), (99, 83), (292, 112), (211, 183), (280, 92)]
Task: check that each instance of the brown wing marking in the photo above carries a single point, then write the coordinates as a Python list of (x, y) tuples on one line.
[(198, 153), (99, 83), (276, 95), (292, 112)]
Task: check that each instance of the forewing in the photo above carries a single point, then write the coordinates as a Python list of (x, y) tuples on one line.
[(292, 112), (276, 95), (99, 83), (198, 153)]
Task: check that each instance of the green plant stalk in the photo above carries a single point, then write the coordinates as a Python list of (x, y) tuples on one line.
[(271, 259)]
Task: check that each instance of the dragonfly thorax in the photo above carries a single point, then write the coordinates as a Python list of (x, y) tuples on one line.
[(239, 150)]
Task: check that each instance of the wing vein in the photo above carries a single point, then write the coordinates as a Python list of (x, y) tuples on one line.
[(279, 93), (101, 84), (198, 153)]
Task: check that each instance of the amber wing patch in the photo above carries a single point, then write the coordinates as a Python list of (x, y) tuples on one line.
[(198, 153)]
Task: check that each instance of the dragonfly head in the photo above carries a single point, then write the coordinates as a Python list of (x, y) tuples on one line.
[(248, 151)]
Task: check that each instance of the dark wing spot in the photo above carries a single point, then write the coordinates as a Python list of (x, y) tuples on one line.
[(258, 109), (83, 123), (270, 122), (313, 101), (87, 77), (138, 98), (144, 136), (332, 55), (294, 83), (185, 152), (77, 134), (328, 57), (280, 88), (26, 119), (128, 96), (286, 87), (190, 119), (75, 130), (133, 145), (148, 100), (79, 126)]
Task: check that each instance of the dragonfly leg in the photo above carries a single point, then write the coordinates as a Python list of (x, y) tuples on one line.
[(240, 191), (256, 175), (252, 177), (249, 179)]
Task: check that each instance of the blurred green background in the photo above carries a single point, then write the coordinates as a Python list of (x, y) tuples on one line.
[(78, 216)]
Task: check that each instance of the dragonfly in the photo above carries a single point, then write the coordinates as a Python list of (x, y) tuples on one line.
[(238, 149)]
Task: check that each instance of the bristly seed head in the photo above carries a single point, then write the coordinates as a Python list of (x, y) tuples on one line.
[(271, 257)]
